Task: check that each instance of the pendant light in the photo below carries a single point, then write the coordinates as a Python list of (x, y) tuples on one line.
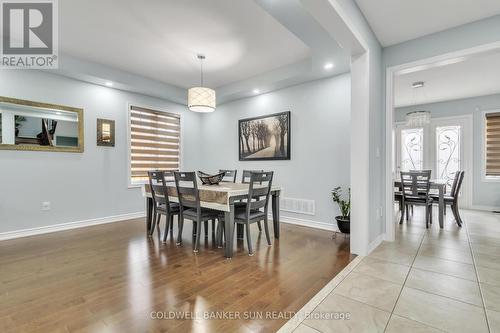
[(201, 99), (417, 118)]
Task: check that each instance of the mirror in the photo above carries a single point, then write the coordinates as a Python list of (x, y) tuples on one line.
[(27, 125)]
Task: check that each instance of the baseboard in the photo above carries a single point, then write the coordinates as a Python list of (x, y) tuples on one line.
[(376, 242), (485, 208), (306, 223), (68, 226)]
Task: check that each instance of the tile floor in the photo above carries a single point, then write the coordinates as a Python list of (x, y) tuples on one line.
[(426, 281)]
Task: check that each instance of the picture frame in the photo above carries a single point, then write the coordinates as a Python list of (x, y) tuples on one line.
[(265, 138), (105, 132)]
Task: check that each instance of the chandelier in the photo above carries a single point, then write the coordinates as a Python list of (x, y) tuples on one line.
[(417, 118), (201, 99)]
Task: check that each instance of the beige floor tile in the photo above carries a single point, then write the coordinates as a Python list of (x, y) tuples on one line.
[(394, 255), (399, 324), (459, 234), (302, 328), (440, 312), (481, 248), (431, 250), (487, 260), (494, 321), (445, 285), (449, 243), (489, 275), (383, 270), (457, 269), (485, 240), (370, 290), (491, 295), (362, 318)]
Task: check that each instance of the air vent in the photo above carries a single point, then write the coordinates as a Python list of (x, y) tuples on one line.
[(299, 206)]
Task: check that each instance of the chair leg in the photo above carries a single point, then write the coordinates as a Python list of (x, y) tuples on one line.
[(168, 218), (206, 229), (198, 235), (266, 229), (181, 226), (407, 213), (427, 216), (153, 223), (172, 227), (402, 214), (260, 226), (213, 226), (456, 214), (220, 227), (249, 239)]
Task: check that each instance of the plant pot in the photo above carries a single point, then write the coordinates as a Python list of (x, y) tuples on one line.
[(344, 224)]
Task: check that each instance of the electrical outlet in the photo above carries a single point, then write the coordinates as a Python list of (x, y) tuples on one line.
[(46, 205)]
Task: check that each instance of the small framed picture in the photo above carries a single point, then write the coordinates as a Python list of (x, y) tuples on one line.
[(105, 132)]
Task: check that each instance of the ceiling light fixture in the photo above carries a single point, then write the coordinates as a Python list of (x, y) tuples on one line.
[(108, 83), (419, 84), (201, 99), (328, 66), (256, 91), (418, 118)]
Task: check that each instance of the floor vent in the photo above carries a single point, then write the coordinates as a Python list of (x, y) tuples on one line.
[(299, 206)]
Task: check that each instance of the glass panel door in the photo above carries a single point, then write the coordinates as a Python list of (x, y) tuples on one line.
[(412, 149), (448, 153)]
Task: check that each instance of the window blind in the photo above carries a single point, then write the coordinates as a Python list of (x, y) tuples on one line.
[(492, 144), (154, 142)]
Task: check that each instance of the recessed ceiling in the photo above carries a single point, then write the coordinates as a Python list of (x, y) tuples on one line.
[(159, 39), (396, 21), (471, 77)]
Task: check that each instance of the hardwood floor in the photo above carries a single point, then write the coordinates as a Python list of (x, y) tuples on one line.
[(112, 278)]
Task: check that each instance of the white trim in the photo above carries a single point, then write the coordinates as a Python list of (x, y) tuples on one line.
[(306, 223), (68, 226), (484, 178), (389, 115), (129, 143), (485, 208), (376, 242)]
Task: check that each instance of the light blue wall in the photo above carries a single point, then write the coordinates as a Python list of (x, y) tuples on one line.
[(484, 194), (320, 141)]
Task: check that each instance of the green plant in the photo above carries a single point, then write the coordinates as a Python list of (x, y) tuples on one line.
[(344, 204)]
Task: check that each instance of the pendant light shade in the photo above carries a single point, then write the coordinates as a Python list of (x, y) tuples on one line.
[(201, 99)]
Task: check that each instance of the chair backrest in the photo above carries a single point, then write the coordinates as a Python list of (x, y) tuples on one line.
[(245, 177), (457, 184), (259, 190), (187, 190), (158, 186), (416, 184), (229, 175)]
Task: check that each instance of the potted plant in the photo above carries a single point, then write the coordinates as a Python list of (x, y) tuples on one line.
[(344, 220)]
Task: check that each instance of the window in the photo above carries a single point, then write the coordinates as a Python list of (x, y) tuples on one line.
[(154, 142), (448, 153), (412, 149), (492, 145)]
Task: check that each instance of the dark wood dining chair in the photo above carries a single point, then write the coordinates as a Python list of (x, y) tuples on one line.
[(161, 202), (256, 205), (245, 176), (190, 206), (415, 188), (229, 176), (452, 199)]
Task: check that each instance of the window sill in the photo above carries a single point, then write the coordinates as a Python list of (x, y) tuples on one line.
[(491, 179)]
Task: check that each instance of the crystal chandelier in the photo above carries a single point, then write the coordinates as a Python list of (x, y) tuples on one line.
[(201, 99), (417, 118)]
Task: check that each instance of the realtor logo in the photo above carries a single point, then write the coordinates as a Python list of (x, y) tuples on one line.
[(29, 34)]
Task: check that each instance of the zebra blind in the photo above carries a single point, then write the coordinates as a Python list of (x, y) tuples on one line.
[(492, 144), (154, 142)]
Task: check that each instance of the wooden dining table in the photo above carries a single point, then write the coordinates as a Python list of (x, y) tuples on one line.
[(221, 197), (436, 184)]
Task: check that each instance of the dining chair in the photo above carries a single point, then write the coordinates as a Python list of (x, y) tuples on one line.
[(229, 175), (245, 179), (161, 202), (256, 205), (452, 199), (190, 206), (415, 188)]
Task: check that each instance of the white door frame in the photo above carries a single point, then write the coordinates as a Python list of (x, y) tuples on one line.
[(391, 72)]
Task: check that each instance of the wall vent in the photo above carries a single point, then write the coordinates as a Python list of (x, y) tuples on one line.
[(299, 206)]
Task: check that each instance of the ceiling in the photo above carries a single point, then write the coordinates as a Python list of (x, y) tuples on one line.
[(161, 38), (467, 77), (396, 21)]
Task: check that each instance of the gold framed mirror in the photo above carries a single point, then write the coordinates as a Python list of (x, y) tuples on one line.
[(36, 126)]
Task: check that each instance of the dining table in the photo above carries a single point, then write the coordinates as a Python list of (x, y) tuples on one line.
[(221, 197), (435, 184)]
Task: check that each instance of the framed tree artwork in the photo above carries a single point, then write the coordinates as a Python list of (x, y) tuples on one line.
[(105, 132), (265, 138)]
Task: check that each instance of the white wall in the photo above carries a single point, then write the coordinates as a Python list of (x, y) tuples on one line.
[(320, 134), (484, 194), (79, 186)]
